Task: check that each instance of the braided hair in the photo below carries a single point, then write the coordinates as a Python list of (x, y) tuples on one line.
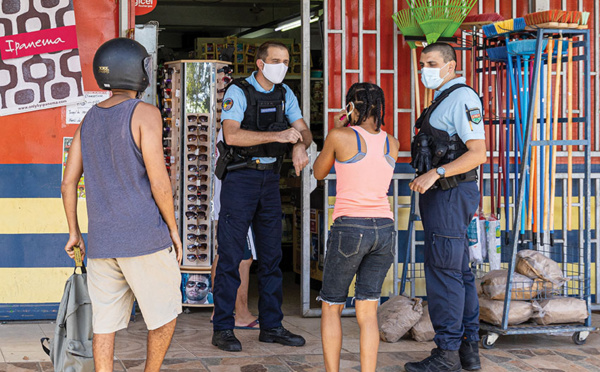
[(369, 100)]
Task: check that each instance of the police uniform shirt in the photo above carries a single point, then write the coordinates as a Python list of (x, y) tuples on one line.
[(234, 105), (460, 112)]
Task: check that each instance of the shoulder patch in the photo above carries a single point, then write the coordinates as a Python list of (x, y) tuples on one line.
[(227, 104), (475, 115)]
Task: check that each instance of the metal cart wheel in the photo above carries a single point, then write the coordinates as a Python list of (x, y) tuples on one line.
[(488, 341), (579, 338)]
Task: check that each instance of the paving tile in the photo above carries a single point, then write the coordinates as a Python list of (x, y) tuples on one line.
[(23, 367), (24, 352), (12, 333), (2, 367), (246, 364)]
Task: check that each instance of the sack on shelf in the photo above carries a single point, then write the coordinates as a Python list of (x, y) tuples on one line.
[(494, 244), (423, 331), (397, 316), (491, 311), (560, 310), (479, 287), (535, 265), (523, 288), (474, 236)]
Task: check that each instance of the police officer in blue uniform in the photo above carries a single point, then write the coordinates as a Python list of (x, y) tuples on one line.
[(446, 152), (261, 122)]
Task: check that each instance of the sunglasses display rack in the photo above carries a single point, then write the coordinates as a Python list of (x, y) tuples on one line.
[(200, 90)]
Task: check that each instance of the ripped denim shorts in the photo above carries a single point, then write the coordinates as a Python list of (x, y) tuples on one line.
[(357, 246)]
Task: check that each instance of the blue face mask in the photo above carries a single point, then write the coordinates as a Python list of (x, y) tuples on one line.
[(430, 77)]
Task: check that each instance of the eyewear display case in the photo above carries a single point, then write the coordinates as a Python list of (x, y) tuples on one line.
[(191, 92)]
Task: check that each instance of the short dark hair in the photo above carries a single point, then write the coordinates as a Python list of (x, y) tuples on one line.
[(368, 100), (263, 49), (447, 52)]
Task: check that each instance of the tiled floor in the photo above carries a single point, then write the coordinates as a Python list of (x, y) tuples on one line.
[(191, 349)]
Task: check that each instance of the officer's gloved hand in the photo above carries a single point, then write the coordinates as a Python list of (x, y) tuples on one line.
[(421, 159)]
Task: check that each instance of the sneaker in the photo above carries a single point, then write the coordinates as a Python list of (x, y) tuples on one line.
[(282, 336), (226, 340), (469, 355), (439, 361)]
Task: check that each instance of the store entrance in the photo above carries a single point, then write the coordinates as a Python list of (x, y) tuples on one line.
[(199, 46)]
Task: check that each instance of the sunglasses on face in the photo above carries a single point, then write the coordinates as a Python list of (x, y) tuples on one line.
[(200, 257), (191, 215), (195, 178), (225, 70), (197, 188), (197, 208), (194, 157), (191, 284), (197, 238), (198, 118), (197, 227)]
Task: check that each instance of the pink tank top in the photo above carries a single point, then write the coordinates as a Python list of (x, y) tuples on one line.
[(364, 180)]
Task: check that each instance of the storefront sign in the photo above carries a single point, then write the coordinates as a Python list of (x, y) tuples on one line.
[(144, 6), (39, 65), (38, 42), (76, 112)]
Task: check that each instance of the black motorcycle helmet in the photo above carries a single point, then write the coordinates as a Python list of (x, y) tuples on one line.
[(122, 63)]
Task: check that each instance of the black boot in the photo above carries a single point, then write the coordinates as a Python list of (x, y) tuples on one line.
[(226, 340), (439, 361), (469, 355), (280, 335)]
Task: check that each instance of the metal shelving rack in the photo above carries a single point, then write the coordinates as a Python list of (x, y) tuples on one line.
[(580, 273)]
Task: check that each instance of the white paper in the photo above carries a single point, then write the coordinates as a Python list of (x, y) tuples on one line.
[(76, 113)]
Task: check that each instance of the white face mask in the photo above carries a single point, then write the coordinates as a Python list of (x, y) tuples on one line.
[(274, 72), (430, 77)]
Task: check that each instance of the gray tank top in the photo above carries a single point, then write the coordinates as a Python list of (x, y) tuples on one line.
[(123, 218)]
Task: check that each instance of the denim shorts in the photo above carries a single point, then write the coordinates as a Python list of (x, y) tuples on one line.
[(357, 246)]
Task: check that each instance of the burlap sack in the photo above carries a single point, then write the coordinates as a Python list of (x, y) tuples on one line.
[(524, 288), (560, 310), (535, 265), (397, 316), (423, 330), (491, 311), (479, 287)]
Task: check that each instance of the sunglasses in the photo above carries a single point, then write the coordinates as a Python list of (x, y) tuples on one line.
[(193, 128), (196, 118), (197, 188), (197, 247), (196, 208), (193, 157), (167, 150), (195, 168), (195, 178), (197, 238), (194, 138), (167, 109), (191, 215), (198, 148), (224, 69), (193, 198), (200, 257), (202, 138), (191, 284), (194, 228)]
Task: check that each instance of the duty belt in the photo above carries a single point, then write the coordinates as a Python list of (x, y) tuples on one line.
[(447, 183), (261, 166)]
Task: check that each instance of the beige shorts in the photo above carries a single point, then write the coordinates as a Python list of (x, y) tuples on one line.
[(154, 280)]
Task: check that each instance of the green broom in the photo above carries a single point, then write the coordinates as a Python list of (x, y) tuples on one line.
[(408, 26), (440, 17)]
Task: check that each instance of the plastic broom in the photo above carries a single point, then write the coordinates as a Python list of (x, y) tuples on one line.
[(408, 26)]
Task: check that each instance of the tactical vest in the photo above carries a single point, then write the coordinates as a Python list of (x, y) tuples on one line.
[(265, 112), (443, 148)]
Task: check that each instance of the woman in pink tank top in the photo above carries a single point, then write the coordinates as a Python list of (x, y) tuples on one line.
[(362, 238)]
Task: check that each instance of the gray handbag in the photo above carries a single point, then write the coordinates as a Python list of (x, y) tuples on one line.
[(71, 348)]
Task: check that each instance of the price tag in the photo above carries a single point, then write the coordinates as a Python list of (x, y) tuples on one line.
[(177, 122), (177, 93)]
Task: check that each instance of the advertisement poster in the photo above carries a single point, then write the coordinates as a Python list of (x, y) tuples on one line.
[(76, 112), (66, 146), (39, 57)]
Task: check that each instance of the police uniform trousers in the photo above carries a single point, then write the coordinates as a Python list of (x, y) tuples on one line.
[(249, 196), (451, 292)]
